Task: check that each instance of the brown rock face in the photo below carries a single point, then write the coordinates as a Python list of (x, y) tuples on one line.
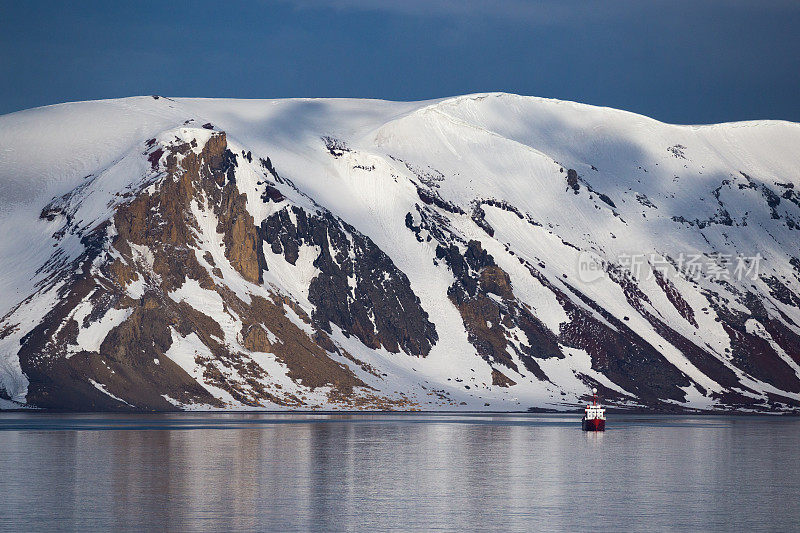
[(241, 245), (485, 298), (501, 380), (167, 305), (154, 244), (618, 352)]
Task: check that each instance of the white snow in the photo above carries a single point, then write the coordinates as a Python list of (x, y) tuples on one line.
[(486, 146), (185, 351), (91, 337), (102, 388)]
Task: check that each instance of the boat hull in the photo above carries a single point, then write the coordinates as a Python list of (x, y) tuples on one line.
[(595, 424)]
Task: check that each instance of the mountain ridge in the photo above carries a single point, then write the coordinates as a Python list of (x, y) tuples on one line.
[(475, 214)]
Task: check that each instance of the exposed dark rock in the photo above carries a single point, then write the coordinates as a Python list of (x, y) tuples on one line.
[(751, 352), (781, 292), (606, 199), (791, 194), (708, 364), (272, 194), (432, 198), (483, 295), (620, 354), (677, 151), (572, 180), (51, 212), (131, 371), (645, 201), (773, 201), (501, 380), (358, 288), (795, 262), (155, 157), (675, 298), (429, 177), (478, 214), (335, 147)]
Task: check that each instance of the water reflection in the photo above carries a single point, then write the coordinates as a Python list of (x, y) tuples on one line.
[(345, 472)]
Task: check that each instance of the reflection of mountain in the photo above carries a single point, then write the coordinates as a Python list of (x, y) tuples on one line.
[(275, 472), (353, 254)]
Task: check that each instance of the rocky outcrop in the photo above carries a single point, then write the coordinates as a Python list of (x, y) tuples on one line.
[(358, 288), (153, 245), (193, 272), (492, 315), (615, 349)]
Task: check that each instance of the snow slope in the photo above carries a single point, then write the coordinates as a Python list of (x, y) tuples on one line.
[(544, 186)]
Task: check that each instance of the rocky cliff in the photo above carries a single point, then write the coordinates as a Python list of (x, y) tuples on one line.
[(484, 252)]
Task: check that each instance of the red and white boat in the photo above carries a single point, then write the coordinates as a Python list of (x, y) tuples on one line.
[(594, 419)]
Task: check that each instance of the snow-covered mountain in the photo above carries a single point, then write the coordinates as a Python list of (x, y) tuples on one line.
[(488, 251)]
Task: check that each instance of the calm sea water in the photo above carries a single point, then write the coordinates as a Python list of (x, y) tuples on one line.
[(222, 472)]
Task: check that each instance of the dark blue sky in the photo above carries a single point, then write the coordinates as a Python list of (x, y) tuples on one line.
[(685, 61)]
